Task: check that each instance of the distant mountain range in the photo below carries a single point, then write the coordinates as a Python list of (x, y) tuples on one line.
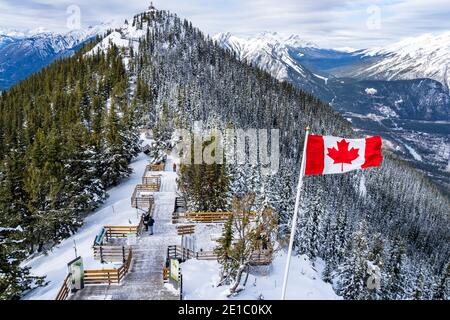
[(23, 53), (400, 91), (334, 75), (426, 56)]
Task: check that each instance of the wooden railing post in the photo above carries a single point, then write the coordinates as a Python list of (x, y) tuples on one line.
[(181, 286), (123, 254), (101, 255)]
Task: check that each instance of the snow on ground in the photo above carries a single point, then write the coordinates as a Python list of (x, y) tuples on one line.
[(116, 210), (206, 236), (201, 277)]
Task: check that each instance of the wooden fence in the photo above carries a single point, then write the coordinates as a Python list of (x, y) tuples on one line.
[(64, 292), (185, 230), (262, 258), (180, 205), (153, 183), (143, 196), (154, 168), (111, 276), (259, 258), (96, 277), (203, 217), (113, 232), (177, 252), (111, 253)]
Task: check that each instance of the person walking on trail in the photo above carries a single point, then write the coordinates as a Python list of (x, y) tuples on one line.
[(174, 167), (146, 220), (151, 223)]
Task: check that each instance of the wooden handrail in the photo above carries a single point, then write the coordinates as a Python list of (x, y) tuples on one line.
[(205, 217), (143, 201), (259, 257), (154, 168), (64, 292)]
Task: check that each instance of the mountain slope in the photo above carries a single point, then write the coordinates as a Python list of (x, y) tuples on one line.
[(277, 55), (192, 79), (403, 111), (161, 72)]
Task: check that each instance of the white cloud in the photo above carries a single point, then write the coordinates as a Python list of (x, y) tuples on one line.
[(330, 23)]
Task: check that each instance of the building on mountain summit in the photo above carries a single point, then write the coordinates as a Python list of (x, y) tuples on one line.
[(151, 8)]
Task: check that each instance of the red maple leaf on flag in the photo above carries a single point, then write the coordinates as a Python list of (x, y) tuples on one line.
[(342, 154)]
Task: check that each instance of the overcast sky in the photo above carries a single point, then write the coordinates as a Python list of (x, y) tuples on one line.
[(329, 23)]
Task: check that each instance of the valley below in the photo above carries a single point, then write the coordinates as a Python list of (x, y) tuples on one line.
[(424, 144)]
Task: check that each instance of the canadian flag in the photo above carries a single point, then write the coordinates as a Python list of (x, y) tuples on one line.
[(332, 155)]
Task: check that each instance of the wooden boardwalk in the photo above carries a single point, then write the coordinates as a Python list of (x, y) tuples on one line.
[(145, 279)]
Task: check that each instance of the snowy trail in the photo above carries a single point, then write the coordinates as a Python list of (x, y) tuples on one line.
[(116, 210), (144, 280)]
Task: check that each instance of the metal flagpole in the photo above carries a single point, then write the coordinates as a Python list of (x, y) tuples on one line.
[(294, 218)]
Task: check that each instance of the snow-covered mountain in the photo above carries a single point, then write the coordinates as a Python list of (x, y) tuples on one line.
[(286, 57), (183, 76), (273, 53), (269, 49), (289, 58), (402, 110), (23, 53), (425, 56)]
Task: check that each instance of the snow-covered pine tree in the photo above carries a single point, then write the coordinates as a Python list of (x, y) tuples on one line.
[(14, 279), (115, 162), (353, 273), (396, 287), (85, 191), (223, 251), (312, 212), (442, 290), (280, 193), (376, 259), (418, 293)]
